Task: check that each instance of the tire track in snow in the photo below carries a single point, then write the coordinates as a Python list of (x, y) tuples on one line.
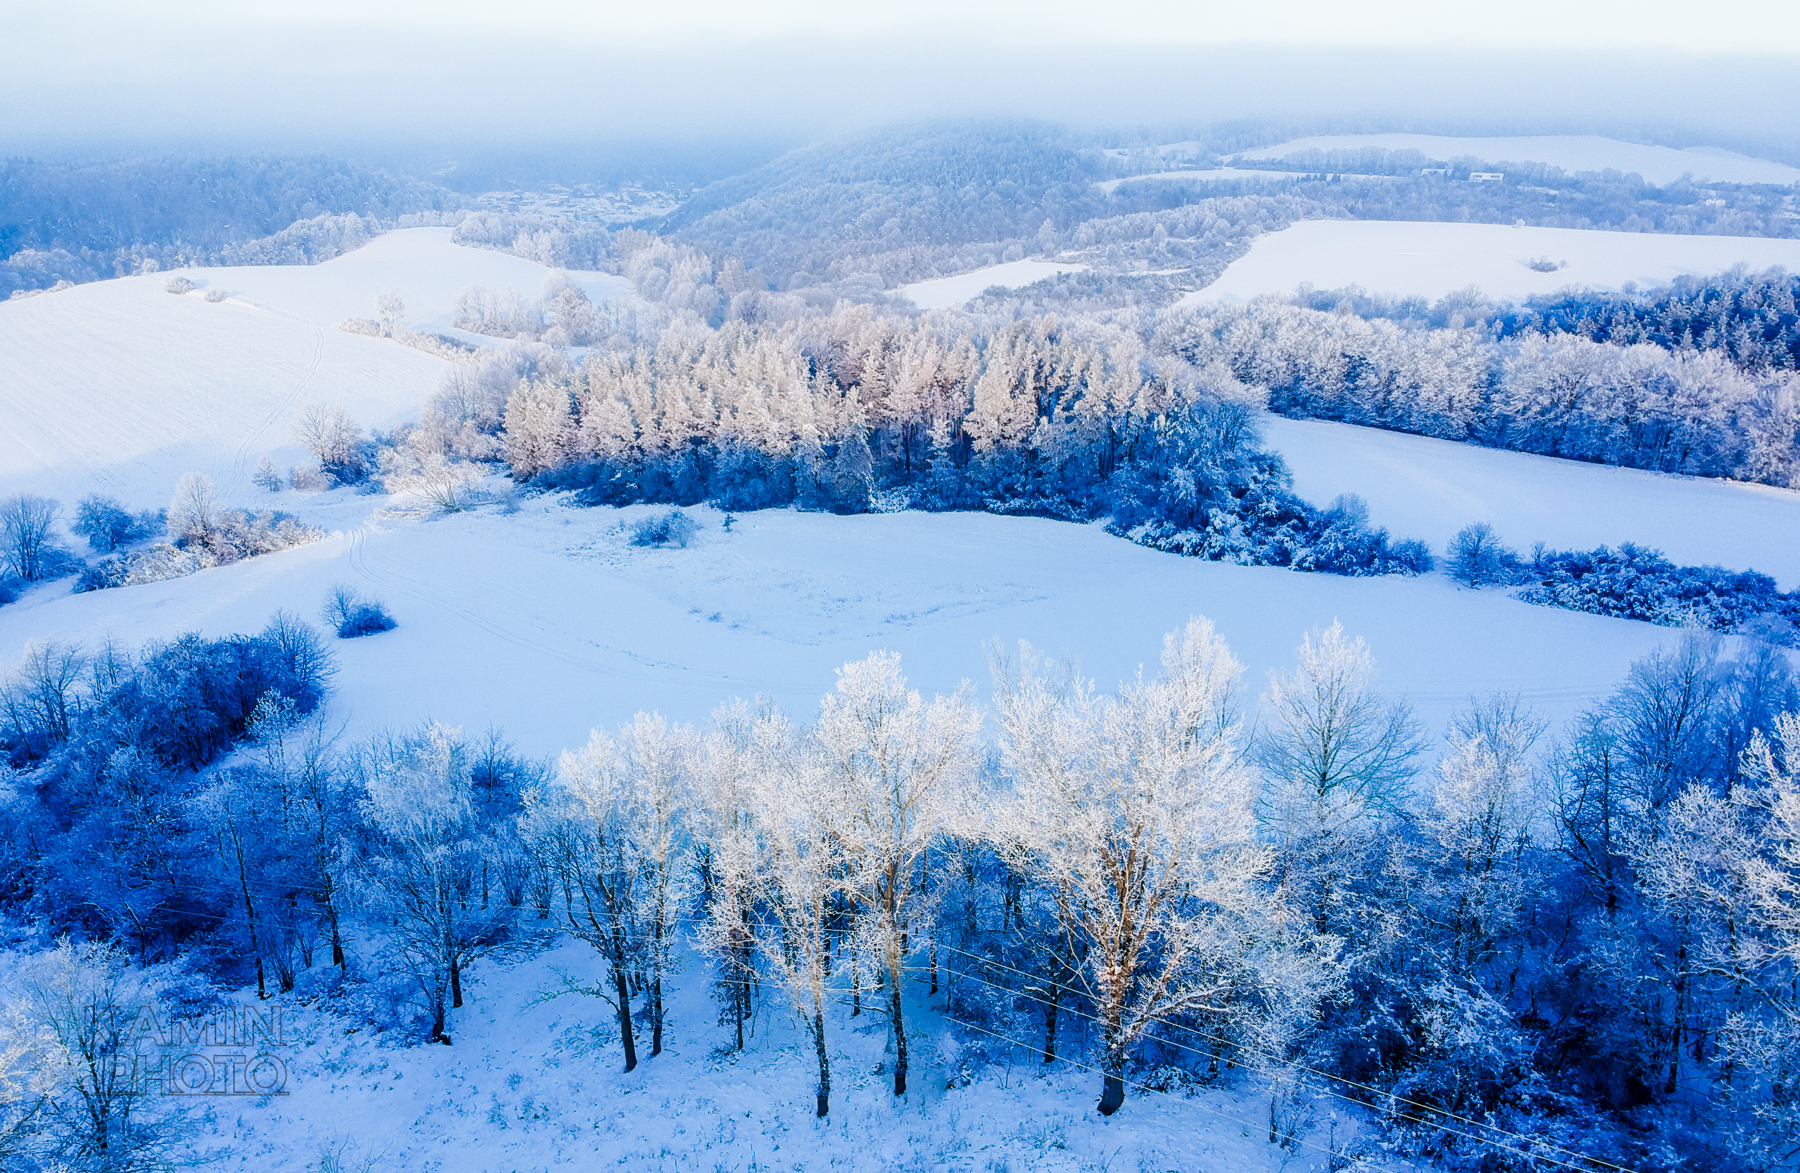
[(318, 358)]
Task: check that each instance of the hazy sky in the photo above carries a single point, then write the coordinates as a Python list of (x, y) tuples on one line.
[(334, 73)]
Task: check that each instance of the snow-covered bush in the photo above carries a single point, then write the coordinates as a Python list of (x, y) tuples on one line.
[(178, 285), (1478, 558), (352, 616), (108, 525), (216, 295), (28, 549), (1632, 582), (662, 530), (202, 533), (266, 477), (327, 431)]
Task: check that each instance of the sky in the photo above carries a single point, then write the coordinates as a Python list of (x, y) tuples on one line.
[(335, 74)]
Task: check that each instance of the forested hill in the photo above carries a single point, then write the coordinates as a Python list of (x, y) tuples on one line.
[(945, 184), (199, 203)]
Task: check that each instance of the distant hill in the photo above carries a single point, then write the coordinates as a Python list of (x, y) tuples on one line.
[(812, 209), (93, 217)]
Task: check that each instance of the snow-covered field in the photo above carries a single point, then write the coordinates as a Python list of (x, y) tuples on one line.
[(946, 292), (1573, 153), (120, 387), (531, 1085), (1424, 488), (547, 622), (1430, 259)]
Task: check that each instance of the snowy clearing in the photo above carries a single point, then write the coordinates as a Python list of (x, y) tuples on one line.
[(1424, 488), (1573, 153), (121, 387), (1430, 259), (530, 1084), (941, 293), (548, 623)]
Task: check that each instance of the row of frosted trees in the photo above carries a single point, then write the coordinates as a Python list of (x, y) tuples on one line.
[(1580, 943), (816, 859), (1640, 405), (1061, 405)]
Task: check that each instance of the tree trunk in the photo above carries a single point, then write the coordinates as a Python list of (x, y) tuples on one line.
[(1051, 1005), (455, 970), (656, 1013), (1112, 1092), (899, 1038), (824, 1088), (624, 995)]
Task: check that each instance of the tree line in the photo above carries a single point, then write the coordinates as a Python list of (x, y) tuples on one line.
[(1531, 948)]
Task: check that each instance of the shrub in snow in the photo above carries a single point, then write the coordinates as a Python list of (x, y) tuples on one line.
[(673, 528), (336, 440), (437, 481), (216, 295), (27, 548), (1633, 582), (1477, 558), (305, 479), (108, 525), (365, 326), (266, 477), (202, 533), (352, 616), (178, 284)]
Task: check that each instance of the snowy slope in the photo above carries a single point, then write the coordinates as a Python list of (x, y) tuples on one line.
[(1429, 489), (1572, 152), (420, 264), (946, 292), (1431, 259), (121, 387), (547, 623)]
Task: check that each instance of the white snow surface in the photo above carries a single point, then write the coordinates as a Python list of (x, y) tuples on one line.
[(1419, 487), (548, 622), (120, 387), (1573, 153), (1430, 259), (942, 293), (533, 1083)]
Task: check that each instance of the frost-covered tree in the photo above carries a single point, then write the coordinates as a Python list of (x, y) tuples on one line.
[(26, 521), (328, 432), (1135, 813), (193, 517), (728, 858), (899, 770), (102, 1109), (390, 311), (420, 872), (801, 882), (613, 827)]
